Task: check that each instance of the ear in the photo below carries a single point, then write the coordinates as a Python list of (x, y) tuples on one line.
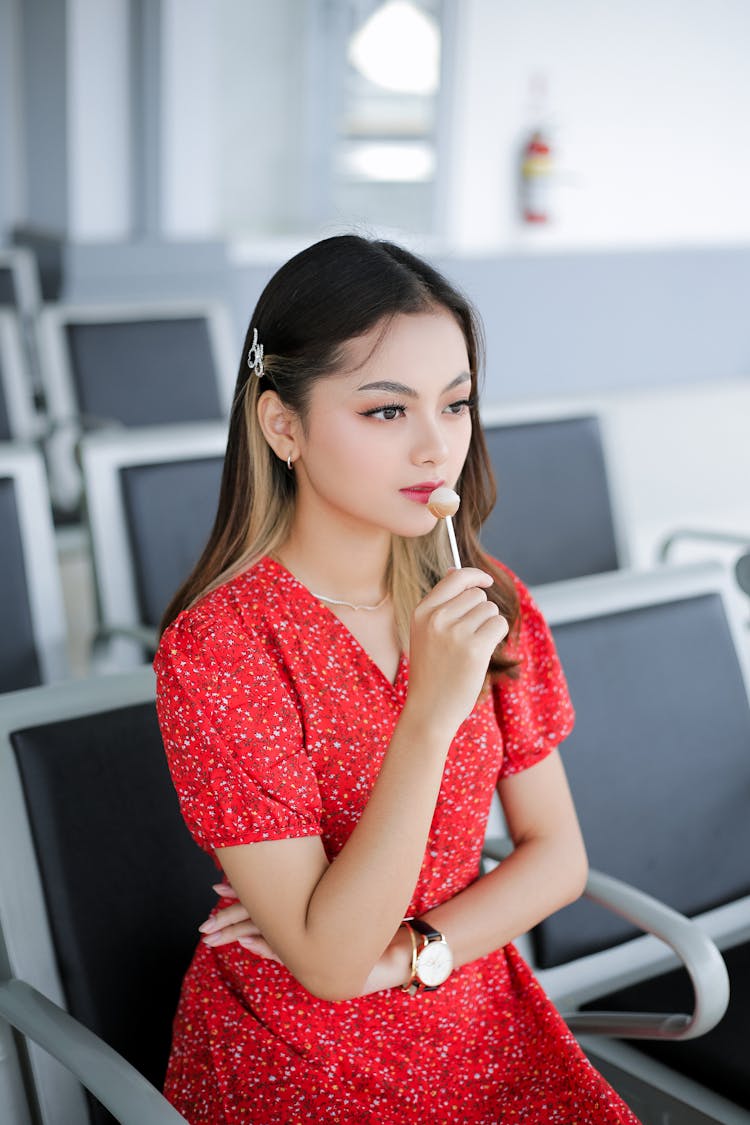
[(279, 425)]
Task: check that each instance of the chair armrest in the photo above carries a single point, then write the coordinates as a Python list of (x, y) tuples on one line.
[(111, 1079), (699, 535), (694, 948)]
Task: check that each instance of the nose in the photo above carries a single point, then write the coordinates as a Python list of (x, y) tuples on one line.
[(430, 446)]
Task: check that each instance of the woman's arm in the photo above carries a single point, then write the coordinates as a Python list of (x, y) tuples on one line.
[(546, 871), (331, 922)]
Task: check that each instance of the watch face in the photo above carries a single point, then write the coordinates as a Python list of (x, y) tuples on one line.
[(434, 964)]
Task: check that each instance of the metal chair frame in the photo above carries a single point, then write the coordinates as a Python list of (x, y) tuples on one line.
[(24, 464), (104, 455)]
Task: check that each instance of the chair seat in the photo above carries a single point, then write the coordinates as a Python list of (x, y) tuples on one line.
[(718, 1060)]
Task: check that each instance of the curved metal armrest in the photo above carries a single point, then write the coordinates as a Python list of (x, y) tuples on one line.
[(700, 535), (695, 949), (111, 1079)]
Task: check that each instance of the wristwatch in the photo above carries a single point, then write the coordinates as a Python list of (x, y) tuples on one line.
[(431, 960)]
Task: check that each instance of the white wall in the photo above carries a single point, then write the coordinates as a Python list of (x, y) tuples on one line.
[(98, 106), (99, 116), (683, 461), (261, 90), (650, 106), (649, 103), (190, 119)]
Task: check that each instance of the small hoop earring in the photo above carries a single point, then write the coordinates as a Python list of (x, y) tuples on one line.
[(289, 463)]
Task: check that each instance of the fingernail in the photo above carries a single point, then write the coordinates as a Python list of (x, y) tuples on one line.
[(246, 942), (213, 939), (208, 926)]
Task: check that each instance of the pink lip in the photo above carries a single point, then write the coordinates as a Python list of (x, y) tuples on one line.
[(421, 493)]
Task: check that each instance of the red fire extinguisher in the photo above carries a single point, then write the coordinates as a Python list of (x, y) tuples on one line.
[(536, 178)]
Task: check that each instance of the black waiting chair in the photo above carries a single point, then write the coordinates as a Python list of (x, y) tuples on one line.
[(101, 893), (130, 366), (659, 766), (556, 515), (33, 628), (150, 502)]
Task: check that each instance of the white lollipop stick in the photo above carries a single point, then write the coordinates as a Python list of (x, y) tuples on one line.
[(443, 503), (453, 543)]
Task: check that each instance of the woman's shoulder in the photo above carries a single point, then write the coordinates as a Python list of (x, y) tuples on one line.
[(534, 708), (239, 614)]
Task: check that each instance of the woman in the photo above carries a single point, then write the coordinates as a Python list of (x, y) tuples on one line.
[(337, 706)]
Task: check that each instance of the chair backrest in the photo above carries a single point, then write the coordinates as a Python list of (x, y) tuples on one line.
[(33, 631), (132, 366), (102, 887), (19, 281), (659, 761), (151, 498), (137, 365), (18, 419), (555, 517)]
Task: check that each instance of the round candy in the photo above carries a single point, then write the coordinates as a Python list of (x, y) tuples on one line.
[(443, 502)]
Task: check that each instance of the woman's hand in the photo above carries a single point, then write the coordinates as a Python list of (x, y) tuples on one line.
[(233, 923), (455, 630), (393, 968)]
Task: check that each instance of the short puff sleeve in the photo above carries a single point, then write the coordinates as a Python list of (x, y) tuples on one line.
[(233, 734), (534, 711)]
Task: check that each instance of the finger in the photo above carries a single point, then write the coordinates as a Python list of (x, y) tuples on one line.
[(455, 582), (479, 616), (260, 947), (224, 890), (224, 918), (495, 629), (231, 933), (449, 612)]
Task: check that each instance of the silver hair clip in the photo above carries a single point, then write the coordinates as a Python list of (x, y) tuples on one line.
[(255, 356)]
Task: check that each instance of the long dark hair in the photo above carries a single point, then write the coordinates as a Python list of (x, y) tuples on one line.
[(320, 299)]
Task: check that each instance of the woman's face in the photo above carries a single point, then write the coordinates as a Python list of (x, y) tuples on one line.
[(393, 426)]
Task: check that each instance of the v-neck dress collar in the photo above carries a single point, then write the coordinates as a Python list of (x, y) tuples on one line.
[(276, 570)]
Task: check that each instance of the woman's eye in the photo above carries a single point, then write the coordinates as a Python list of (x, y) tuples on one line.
[(460, 406), (386, 413)]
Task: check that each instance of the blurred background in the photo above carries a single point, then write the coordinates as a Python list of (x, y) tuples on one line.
[(581, 170)]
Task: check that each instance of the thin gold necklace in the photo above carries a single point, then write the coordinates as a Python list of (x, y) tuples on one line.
[(351, 605)]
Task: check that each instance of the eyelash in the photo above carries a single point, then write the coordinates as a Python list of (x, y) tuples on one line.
[(401, 409)]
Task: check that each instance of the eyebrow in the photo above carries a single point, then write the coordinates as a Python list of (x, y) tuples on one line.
[(402, 389)]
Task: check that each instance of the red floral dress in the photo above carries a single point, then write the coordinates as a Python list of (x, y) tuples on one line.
[(275, 722)]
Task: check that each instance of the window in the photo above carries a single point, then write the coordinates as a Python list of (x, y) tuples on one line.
[(330, 115), (386, 144)]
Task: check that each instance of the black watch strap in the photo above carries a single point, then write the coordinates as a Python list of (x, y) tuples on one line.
[(425, 929)]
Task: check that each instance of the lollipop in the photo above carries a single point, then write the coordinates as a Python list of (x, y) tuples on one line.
[(443, 503)]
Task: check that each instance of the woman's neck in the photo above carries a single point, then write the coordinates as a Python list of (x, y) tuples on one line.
[(349, 565)]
